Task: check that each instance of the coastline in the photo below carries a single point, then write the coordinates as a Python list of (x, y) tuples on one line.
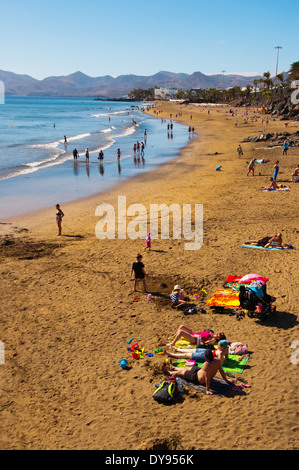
[(69, 310)]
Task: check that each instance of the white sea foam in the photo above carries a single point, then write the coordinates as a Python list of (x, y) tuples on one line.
[(58, 142)]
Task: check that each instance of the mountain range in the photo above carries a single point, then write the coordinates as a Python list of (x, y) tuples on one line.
[(79, 84)]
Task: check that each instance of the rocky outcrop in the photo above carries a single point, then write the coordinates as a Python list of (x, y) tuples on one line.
[(292, 138)]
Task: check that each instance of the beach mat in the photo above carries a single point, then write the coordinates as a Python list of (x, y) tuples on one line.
[(218, 386), (231, 364), (269, 247)]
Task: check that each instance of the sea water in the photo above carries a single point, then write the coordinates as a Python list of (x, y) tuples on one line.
[(37, 167)]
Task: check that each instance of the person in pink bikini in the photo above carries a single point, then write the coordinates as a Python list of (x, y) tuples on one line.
[(205, 337)]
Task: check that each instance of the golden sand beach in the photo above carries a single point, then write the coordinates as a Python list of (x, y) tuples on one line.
[(67, 307)]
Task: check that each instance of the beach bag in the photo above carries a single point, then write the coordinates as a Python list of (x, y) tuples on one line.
[(190, 311), (167, 391), (238, 348)]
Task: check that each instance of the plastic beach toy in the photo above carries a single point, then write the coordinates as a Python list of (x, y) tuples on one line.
[(123, 363)]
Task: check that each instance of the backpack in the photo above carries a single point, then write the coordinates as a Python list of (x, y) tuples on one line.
[(167, 391)]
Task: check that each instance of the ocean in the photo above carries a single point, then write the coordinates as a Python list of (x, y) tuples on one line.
[(38, 136)]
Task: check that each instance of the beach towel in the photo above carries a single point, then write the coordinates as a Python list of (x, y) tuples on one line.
[(278, 189), (218, 386), (227, 298), (277, 248), (233, 364)]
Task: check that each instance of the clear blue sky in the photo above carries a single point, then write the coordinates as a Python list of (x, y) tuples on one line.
[(117, 37)]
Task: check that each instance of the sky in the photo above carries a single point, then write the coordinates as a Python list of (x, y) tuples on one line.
[(120, 37)]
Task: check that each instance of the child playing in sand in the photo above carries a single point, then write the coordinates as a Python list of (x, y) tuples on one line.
[(138, 269), (176, 299), (148, 242)]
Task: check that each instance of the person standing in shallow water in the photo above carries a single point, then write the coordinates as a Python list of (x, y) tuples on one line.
[(59, 215)]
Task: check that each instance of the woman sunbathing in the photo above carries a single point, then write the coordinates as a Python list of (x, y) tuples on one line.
[(274, 185), (205, 338)]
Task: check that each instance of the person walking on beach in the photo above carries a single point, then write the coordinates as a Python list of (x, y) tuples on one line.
[(87, 155), (101, 155), (276, 170), (251, 167), (118, 153), (240, 151), (59, 215), (138, 270), (75, 154), (285, 148)]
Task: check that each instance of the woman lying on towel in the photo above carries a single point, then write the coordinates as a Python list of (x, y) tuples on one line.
[(204, 338), (273, 186)]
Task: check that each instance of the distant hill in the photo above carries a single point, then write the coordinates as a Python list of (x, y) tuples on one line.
[(79, 84)]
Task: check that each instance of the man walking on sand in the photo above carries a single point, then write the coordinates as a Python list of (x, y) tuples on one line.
[(200, 376)]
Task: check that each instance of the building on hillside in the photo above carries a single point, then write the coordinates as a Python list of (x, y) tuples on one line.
[(165, 93)]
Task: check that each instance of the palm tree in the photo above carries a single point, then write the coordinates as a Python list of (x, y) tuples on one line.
[(267, 80), (294, 71)]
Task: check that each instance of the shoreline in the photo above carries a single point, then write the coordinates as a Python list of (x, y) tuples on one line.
[(69, 309), (72, 182), (90, 199)]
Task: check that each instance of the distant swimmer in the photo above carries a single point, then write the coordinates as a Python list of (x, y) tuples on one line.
[(101, 155)]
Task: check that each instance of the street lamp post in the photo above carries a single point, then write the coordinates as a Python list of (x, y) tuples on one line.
[(223, 78), (277, 47)]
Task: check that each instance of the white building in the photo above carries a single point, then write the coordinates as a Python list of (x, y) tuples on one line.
[(165, 93)]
